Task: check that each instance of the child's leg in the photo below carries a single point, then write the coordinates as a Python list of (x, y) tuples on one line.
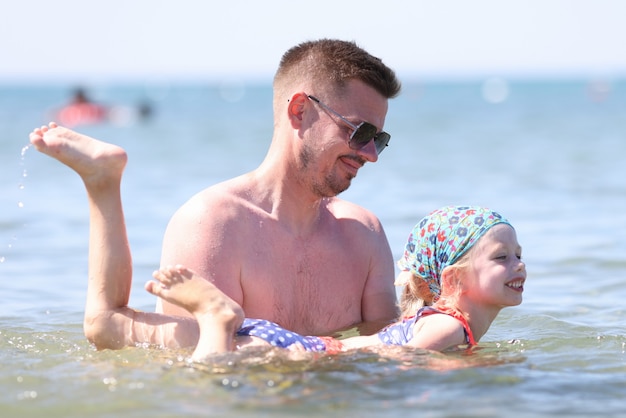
[(100, 166), (108, 322), (218, 316)]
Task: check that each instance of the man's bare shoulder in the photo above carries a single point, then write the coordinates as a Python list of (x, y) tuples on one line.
[(217, 214), (343, 210), (207, 234), (223, 200)]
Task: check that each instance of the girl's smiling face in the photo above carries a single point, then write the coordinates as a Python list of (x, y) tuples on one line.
[(496, 274)]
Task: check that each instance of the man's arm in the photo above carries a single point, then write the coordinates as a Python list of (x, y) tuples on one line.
[(378, 302), (380, 284), (195, 237)]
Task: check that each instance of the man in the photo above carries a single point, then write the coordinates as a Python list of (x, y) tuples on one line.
[(278, 240)]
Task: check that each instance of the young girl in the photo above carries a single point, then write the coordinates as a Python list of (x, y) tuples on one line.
[(461, 266)]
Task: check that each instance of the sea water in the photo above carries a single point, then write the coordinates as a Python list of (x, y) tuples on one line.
[(549, 155)]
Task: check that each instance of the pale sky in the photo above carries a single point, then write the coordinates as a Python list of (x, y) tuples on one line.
[(80, 40)]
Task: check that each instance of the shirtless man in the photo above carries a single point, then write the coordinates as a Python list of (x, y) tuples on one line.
[(278, 241)]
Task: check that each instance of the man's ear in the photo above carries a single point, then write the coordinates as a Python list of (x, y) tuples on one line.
[(296, 107)]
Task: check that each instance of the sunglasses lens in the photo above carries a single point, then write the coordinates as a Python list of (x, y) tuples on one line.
[(381, 141), (364, 133)]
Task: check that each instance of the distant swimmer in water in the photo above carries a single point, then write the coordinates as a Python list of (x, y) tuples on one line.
[(82, 111)]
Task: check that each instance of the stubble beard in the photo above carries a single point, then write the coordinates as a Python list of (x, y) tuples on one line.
[(330, 186)]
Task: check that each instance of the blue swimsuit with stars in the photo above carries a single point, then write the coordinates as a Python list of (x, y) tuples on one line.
[(278, 336), (396, 334)]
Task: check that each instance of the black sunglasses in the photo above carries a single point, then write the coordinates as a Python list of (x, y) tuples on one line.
[(362, 133)]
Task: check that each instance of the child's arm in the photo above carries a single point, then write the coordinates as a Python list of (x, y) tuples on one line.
[(437, 332), (361, 341)]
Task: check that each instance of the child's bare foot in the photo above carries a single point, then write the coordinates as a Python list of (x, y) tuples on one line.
[(181, 286), (95, 161)]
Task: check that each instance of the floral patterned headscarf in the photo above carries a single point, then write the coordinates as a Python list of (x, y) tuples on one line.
[(441, 238)]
